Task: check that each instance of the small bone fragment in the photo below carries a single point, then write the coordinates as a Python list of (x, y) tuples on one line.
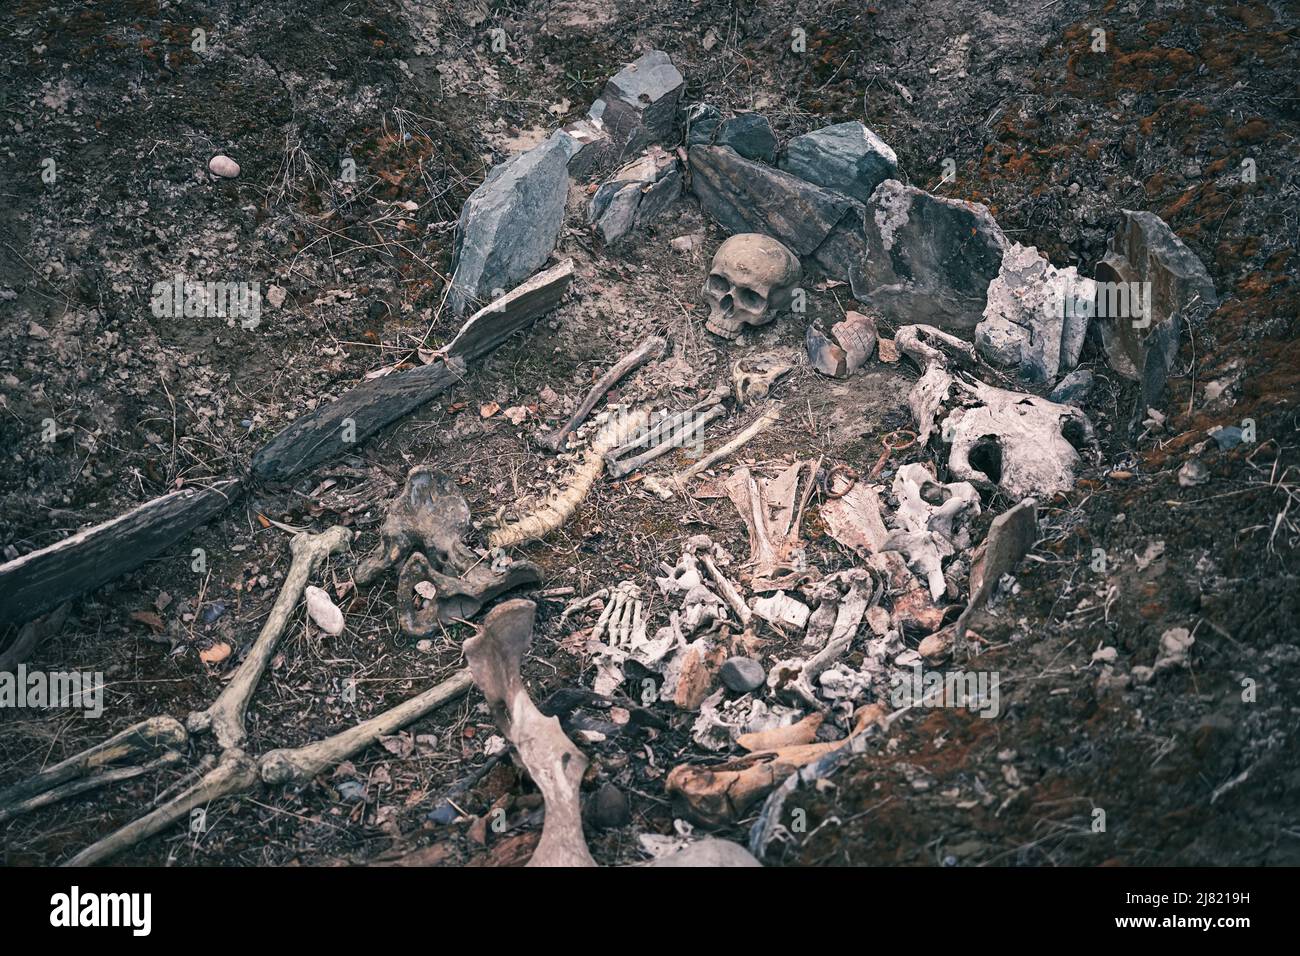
[(147, 738), (727, 589), (454, 598), (323, 612), (853, 519), (225, 717), (782, 610), (559, 508), (300, 764), (752, 377), (649, 349), (676, 483), (824, 355), (235, 772), (551, 759), (804, 732)]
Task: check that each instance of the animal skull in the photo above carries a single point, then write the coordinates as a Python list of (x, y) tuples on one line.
[(750, 282)]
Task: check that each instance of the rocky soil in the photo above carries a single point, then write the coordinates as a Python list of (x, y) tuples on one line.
[(108, 120)]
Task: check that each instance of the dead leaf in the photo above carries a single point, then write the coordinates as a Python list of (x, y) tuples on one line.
[(149, 619), (215, 654), (488, 410), (399, 745), (516, 414)]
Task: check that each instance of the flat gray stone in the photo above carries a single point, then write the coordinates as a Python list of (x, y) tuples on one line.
[(846, 157), (741, 674), (744, 196), (1145, 250), (929, 260), (750, 135), (1073, 389), (509, 225)]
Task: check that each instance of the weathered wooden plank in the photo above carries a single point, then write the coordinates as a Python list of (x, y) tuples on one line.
[(343, 424), (43, 579)]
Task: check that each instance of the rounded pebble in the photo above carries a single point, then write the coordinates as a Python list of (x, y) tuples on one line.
[(223, 166)]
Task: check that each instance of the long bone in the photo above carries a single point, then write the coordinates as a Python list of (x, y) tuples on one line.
[(549, 756), (687, 427), (651, 348), (225, 717)]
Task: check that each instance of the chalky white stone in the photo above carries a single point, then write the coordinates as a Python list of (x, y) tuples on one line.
[(223, 166)]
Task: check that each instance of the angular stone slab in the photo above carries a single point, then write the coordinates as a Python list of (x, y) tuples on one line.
[(1035, 316), (510, 224), (639, 103), (929, 259), (635, 194), (846, 157), (1145, 250), (745, 196)]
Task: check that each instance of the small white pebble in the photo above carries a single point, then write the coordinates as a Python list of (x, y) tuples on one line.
[(223, 166), (323, 611)]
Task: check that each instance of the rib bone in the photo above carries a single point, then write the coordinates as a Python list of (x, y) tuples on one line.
[(649, 349)]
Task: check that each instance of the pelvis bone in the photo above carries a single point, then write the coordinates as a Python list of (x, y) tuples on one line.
[(441, 580), (751, 281)]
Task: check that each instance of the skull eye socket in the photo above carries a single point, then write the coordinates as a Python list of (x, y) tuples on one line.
[(750, 300), (718, 285)]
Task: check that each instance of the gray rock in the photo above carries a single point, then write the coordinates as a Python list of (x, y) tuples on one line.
[(635, 194), (588, 147), (702, 122), (1145, 250), (741, 674), (929, 259), (510, 224), (846, 157), (607, 808), (745, 196), (1035, 316), (639, 103), (1225, 438), (749, 134), (1074, 388)]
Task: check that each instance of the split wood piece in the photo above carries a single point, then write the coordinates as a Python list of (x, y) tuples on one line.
[(36, 582), (429, 516), (559, 508), (555, 764), (145, 739), (342, 425), (225, 718), (674, 484), (689, 430), (300, 764), (235, 773), (650, 349), (75, 787)]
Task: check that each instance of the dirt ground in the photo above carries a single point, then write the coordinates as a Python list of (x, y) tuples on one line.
[(1054, 137)]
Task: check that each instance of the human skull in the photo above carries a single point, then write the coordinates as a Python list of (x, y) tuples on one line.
[(750, 282)]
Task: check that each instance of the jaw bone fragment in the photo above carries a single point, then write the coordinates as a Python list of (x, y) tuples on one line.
[(752, 378), (931, 521), (550, 758)]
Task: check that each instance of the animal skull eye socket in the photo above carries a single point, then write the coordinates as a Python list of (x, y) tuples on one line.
[(718, 285), (750, 300)]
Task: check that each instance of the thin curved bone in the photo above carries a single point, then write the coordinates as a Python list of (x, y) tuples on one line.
[(225, 717), (649, 349), (551, 758)]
